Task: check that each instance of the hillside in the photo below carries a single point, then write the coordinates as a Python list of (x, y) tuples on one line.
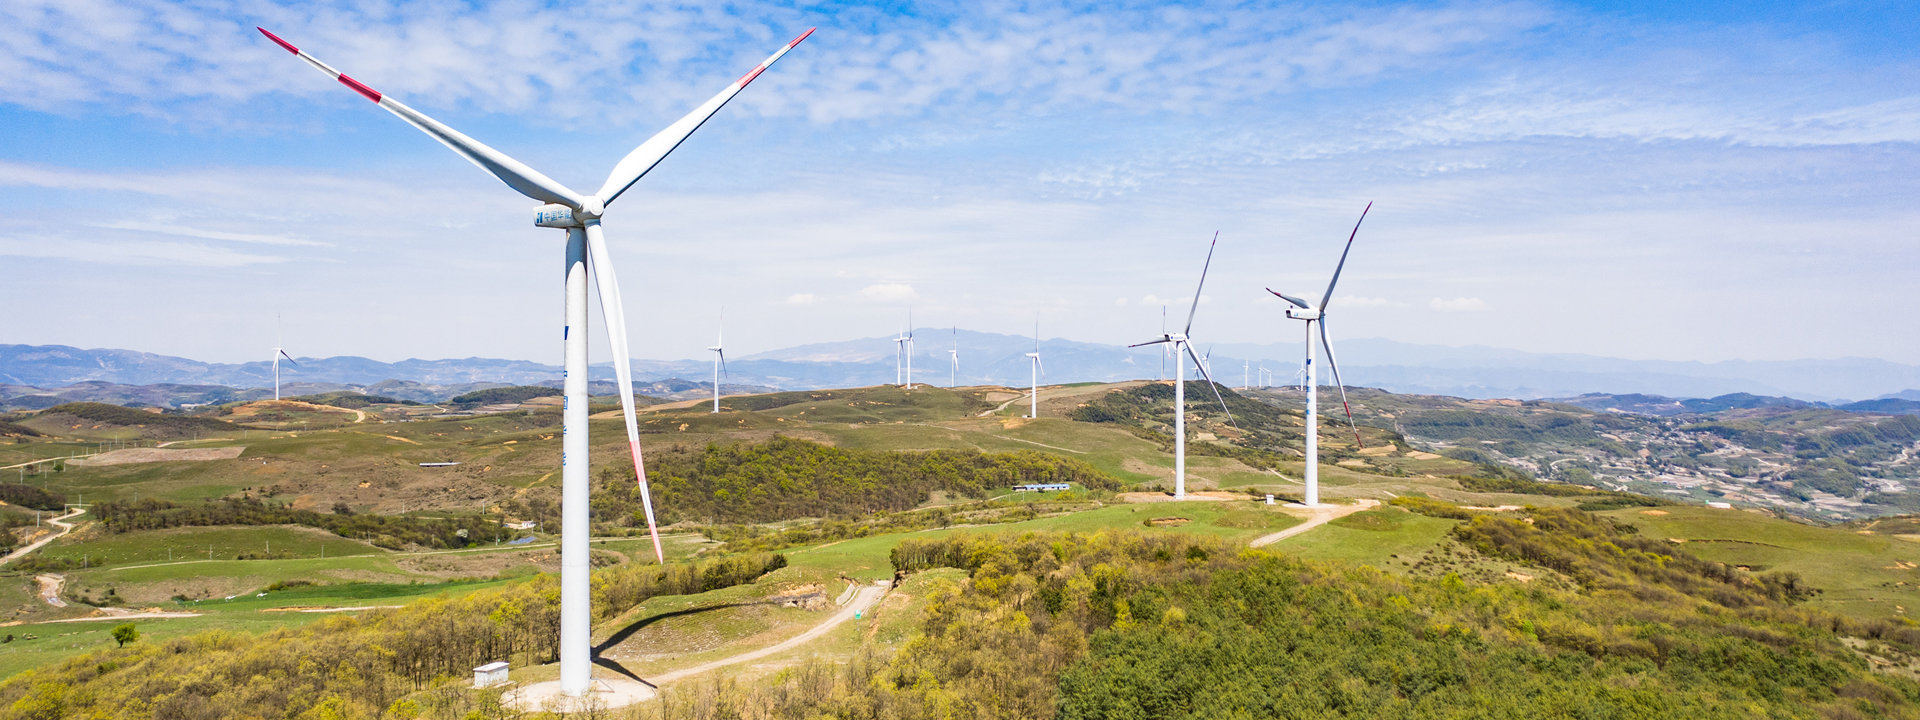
[(998, 359), (1016, 604), (1772, 453)]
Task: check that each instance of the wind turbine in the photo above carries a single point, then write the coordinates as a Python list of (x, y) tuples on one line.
[(1264, 376), (1033, 397), (1300, 310), (719, 358), (953, 353), (586, 249), (278, 352), (1246, 372), (909, 349), (1178, 343)]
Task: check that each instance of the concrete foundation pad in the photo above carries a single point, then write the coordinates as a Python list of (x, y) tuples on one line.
[(606, 693)]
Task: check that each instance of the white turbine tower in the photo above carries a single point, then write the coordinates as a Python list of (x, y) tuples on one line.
[(1246, 373), (586, 249), (1300, 310), (278, 352), (1033, 365), (1265, 376), (953, 353), (1183, 349), (719, 358)]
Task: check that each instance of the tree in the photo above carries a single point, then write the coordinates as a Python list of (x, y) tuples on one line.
[(125, 633)]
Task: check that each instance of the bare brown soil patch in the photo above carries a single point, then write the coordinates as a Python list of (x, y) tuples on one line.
[(147, 455), (1653, 512), (1167, 522)]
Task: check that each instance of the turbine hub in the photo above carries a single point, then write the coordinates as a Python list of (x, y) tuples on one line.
[(591, 209), (1303, 313)]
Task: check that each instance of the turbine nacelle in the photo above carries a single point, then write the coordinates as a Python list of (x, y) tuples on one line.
[(1303, 313), (555, 215)]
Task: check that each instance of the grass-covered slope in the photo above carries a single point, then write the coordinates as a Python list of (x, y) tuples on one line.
[(1128, 625)]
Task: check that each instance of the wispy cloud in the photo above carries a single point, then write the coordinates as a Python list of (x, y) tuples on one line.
[(132, 253), (888, 293), (1459, 304), (186, 231), (802, 299)]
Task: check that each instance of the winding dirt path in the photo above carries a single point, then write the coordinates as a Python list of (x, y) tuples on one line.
[(1316, 517), (862, 601), (59, 522)]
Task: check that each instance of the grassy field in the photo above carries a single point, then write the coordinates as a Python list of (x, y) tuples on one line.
[(1381, 537), (1860, 574)]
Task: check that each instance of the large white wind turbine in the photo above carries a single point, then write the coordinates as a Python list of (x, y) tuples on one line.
[(279, 352), (719, 358), (1182, 349), (1300, 310), (1033, 364), (586, 249)]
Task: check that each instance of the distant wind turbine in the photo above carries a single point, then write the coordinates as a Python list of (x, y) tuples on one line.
[(953, 353), (278, 352), (719, 358), (1033, 397), (1300, 310), (903, 346), (1183, 349), (586, 251)]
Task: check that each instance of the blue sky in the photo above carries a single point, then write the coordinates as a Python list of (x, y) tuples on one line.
[(1708, 182)]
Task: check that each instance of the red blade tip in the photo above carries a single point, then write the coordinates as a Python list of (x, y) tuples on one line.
[(803, 36), (276, 39)]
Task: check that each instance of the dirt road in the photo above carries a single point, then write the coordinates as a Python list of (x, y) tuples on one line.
[(862, 601), (1316, 517), (59, 522), (50, 589)]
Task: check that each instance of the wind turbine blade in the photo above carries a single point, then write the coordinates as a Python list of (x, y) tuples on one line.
[(526, 180), (1335, 366), (1297, 302), (637, 163), (1151, 342), (723, 365), (1203, 283), (1324, 299), (1211, 385), (289, 358), (616, 319)]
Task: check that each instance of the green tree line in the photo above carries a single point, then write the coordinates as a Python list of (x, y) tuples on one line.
[(388, 531), (785, 478)]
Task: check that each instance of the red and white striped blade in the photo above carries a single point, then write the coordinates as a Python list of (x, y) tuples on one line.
[(526, 180), (637, 163), (616, 318)]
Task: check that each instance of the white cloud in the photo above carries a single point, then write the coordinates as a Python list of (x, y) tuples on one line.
[(660, 56), (185, 231), (1459, 304), (802, 299), (888, 292), (1119, 302), (133, 253)]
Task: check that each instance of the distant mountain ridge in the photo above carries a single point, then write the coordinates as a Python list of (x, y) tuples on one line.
[(999, 359)]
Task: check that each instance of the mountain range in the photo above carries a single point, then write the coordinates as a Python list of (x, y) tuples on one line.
[(993, 358)]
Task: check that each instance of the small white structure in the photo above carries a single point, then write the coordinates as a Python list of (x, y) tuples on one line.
[(1720, 505), (1269, 499), (489, 675)]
